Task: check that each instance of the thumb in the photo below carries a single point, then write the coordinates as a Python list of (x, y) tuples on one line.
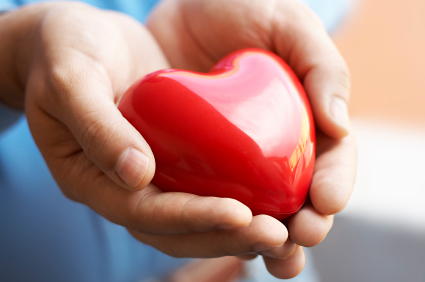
[(83, 102), (113, 144), (304, 43), (328, 86)]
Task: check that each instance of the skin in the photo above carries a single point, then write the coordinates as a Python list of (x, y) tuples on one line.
[(68, 64)]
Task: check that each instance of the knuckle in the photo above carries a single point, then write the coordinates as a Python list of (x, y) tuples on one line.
[(94, 138), (60, 79), (185, 215), (89, 134), (67, 58), (63, 81), (338, 77), (139, 214), (344, 77)]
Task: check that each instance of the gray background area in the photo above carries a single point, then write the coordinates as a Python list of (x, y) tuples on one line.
[(357, 250)]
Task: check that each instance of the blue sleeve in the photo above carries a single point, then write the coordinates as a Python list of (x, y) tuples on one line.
[(6, 5)]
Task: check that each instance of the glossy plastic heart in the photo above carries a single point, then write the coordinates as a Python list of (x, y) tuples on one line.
[(244, 131)]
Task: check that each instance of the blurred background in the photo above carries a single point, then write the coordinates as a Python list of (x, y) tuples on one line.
[(380, 236)]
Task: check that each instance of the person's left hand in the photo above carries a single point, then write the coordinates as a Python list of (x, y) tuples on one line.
[(194, 35)]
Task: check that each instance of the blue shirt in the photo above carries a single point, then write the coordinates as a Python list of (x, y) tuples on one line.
[(46, 237)]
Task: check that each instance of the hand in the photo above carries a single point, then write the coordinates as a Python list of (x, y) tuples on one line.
[(194, 35), (73, 63)]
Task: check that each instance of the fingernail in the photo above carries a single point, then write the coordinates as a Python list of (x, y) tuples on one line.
[(261, 247), (132, 166), (339, 112)]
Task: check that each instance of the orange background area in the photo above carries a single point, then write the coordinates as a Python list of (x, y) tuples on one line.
[(384, 45)]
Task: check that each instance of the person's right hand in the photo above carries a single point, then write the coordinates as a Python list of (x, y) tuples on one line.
[(69, 64), (195, 35)]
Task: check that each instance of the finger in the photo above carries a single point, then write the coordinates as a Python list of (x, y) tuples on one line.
[(300, 38), (282, 252), (264, 232), (154, 212), (286, 268), (159, 213), (334, 173), (308, 227), (81, 88), (105, 136)]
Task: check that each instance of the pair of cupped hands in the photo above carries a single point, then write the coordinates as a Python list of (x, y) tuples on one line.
[(68, 64)]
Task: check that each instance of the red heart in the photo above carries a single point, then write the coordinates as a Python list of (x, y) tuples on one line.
[(244, 131)]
